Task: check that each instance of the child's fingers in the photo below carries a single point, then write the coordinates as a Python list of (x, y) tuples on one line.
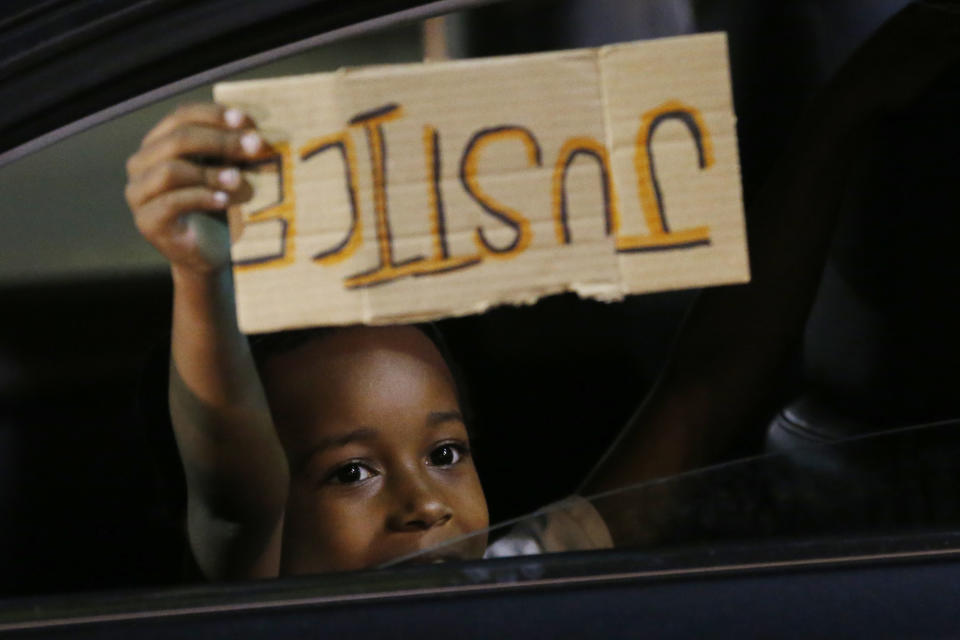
[(198, 140), (209, 114), (178, 173), (157, 217)]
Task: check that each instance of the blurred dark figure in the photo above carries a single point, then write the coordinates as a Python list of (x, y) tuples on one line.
[(880, 342)]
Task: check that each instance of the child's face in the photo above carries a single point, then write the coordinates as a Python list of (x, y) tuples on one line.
[(379, 458)]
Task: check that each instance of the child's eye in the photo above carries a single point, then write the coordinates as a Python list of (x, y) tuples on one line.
[(350, 473), (447, 455)]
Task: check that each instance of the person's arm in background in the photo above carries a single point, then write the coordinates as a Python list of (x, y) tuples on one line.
[(735, 340), (236, 470)]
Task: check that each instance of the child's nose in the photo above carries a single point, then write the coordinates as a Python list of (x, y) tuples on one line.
[(418, 507)]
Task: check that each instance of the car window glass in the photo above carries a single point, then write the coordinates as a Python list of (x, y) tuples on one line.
[(866, 488), (75, 189), (89, 473)]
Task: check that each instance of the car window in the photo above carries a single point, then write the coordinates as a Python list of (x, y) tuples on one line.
[(75, 188), (865, 489), (851, 438), (816, 506)]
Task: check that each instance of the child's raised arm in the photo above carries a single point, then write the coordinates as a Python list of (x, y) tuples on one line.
[(236, 470)]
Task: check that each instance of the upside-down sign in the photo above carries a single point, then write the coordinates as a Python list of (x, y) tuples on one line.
[(421, 191)]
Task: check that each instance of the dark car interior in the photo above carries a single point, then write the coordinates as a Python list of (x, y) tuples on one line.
[(91, 494)]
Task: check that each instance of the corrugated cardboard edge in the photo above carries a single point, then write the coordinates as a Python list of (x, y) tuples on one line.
[(600, 291)]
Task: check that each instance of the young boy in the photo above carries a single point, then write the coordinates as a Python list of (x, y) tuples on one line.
[(353, 451), (332, 449), (362, 454)]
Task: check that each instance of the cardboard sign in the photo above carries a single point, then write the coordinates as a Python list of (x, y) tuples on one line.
[(419, 191)]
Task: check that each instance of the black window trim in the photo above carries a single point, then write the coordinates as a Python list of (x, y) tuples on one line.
[(363, 27)]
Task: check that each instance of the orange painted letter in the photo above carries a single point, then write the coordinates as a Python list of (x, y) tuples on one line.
[(283, 210), (344, 144), (660, 236), (388, 270), (510, 217), (611, 206)]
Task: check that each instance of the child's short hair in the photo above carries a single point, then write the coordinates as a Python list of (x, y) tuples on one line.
[(265, 346)]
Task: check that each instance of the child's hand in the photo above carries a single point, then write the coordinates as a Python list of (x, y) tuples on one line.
[(186, 168)]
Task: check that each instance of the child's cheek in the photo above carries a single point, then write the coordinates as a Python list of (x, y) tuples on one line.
[(328, 530), (349, 526), (472, 502)]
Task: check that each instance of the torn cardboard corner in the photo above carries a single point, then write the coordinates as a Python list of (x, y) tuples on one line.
[(421, 191)]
